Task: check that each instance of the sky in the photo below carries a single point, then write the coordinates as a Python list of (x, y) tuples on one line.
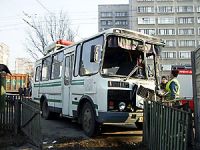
[(83, 16)]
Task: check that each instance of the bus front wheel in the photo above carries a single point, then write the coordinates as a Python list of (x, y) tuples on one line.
[(88, 120)]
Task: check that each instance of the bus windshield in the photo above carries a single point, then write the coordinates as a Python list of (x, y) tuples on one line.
[(125, 57)]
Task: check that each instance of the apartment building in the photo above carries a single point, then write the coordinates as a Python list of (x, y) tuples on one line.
[(23, 65), (113, 16), (4, 54), (177, 22)]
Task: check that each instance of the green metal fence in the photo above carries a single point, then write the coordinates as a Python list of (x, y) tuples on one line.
[(21, 114), (167, 128), (30, 120), (7, 119)]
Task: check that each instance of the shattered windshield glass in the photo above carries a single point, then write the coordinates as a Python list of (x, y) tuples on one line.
[(125, 57)]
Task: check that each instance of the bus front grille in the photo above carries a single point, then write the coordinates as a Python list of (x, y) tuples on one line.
[(115, 97)]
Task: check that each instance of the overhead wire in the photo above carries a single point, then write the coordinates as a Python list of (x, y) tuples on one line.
[(72, 23), (43, 6)]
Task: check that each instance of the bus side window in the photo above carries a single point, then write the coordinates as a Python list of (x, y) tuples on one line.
[(46, 68), (67, 71), (77, 61), (86, 66), (37, 74), (57, 65), (72, 66)]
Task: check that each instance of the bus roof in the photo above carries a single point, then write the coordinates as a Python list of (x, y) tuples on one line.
[(135, 35), (131, 34), (120, 32)]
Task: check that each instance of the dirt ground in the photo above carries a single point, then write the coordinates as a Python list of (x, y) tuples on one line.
[(61, 134), (69, 135), (20, 143), (97, 143)]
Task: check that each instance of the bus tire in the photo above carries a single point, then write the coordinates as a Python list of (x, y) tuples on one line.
[(139, 125), (46, 114), (89, 123)]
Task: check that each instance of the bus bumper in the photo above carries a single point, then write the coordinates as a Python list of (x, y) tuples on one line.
[(119, 117)]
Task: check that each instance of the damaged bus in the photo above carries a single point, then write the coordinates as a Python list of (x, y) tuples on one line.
[(101, 80)]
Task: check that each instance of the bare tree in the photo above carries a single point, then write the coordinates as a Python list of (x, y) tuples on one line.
[(44, 31)]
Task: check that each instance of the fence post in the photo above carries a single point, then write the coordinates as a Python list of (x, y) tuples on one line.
[(146, 122), (17, 115), (190, 131), (2, 92)]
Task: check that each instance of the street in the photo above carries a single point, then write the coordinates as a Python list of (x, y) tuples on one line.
[(62, 133)]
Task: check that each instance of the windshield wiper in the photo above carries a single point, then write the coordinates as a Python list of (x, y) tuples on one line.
[(132, 72)]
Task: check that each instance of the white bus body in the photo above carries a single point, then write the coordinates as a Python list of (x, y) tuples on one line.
[(83, 81)]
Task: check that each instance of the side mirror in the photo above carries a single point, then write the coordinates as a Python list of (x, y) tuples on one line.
[(95, 53)]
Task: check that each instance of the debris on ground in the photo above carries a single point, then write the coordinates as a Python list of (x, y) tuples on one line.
[(93, 144)]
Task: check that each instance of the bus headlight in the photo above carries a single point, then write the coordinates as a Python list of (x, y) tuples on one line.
[(122, 106)]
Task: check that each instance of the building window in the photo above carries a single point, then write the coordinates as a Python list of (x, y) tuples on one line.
[(146, 20), (198, 8), (106, 14), (165, 9), (145, 9), (168, 55), (184, 0), (170, 43), (166, 20), (165, 0), (185, 20), (166, 31), (102, 29), (185, 31), (198, 20), (187, 43), (184, 54), (185, 9), (148, 31), (166, 67), (145, 0), (198, 42), (121, 14), (121, 22), (106, 22)]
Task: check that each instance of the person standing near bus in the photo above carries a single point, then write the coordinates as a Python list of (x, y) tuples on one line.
[(163, 82), (173, 87)]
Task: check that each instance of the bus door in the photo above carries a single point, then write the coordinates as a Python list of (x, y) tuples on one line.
[(36, 85), (67, 84)]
